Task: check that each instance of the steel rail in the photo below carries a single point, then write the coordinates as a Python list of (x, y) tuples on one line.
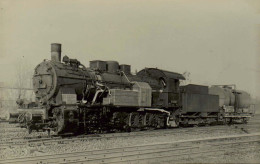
[(106, 155), (47, 140), (176, 156)]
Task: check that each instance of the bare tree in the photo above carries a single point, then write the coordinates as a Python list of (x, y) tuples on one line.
[(24, 75)]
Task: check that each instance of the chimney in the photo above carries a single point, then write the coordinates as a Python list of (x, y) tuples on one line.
[(56, 52)]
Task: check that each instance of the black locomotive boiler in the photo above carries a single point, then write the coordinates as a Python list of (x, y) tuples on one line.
[(106, 96)]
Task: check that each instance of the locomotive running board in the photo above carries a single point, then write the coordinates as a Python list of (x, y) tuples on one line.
[(237, 116), (154, 109)]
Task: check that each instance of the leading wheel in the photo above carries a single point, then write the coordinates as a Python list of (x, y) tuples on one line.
[(59, 123)]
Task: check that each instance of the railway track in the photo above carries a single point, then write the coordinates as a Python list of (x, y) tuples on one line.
[(45, 140), (7, 125), (144, 153), (13, 129), (13, 147), (4, 121)]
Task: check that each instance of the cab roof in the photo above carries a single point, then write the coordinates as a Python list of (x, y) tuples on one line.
[(157, 73)]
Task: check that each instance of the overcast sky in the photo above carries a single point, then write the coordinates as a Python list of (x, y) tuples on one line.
[(217, 41)]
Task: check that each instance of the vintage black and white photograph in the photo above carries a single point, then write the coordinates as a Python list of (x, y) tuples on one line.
[(129, 81)]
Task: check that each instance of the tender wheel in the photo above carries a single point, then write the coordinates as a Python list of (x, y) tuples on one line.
[(29, 129), (21, 118), (221, 117)]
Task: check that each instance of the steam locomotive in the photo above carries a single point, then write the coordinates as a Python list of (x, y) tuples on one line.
[(71, 98)]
